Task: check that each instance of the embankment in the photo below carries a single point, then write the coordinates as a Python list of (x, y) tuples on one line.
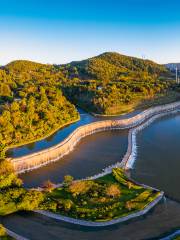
[(36, 160)]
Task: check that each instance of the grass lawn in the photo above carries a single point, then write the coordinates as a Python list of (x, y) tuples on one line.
[(103, 199)]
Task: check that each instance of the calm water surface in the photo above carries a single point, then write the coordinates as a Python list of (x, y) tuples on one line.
[(90, 156), (158, 160), (61, 134), (157, 164), (162, 219)]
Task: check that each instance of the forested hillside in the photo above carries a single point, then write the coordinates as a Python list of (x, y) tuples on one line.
[(112, 83), (32, 103), (112, 66), (33, 96)]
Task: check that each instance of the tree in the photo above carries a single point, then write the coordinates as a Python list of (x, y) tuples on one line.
[(67, 204), (113, 190), (67, 180), (48, 186), (2, 231)]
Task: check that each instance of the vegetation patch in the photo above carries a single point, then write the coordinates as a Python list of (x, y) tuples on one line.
[(13, 197), (32, 105), (37, 99), (111, 83), (106, 198), (3, 234)]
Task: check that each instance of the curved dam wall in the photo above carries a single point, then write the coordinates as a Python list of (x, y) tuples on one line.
[(38, 159)]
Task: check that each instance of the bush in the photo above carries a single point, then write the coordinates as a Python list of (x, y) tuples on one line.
[(67, 180), (2, 231), (113, 190), (80, 187), (48, 186)]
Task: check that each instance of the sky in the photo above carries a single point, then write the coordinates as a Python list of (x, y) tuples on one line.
[(61, 31)]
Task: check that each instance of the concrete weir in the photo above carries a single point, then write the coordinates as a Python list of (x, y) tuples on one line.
[(38, 159), (135, 124)]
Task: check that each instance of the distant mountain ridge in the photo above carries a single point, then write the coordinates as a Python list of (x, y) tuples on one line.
[(109, 65), (172, 66)]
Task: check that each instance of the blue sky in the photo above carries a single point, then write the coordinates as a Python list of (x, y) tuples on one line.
[(60, 31)]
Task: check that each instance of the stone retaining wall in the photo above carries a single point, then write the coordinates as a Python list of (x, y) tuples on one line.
[(38, 159), (102, 224), (15, 235), (130, 157)]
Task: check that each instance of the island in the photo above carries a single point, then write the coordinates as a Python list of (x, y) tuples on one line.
[(100, 201)]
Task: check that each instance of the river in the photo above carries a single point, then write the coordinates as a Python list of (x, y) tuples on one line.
[(90, 156), (61, 134), (157, 165), (158, 160)]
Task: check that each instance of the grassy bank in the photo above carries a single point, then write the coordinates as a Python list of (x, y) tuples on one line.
[(104, 199), (141, 103)]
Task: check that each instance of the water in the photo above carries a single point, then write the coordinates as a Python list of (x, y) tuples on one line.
[(90, 156), (158, 160), (52, 140), (61, 134), (151, 226), (157, 164)]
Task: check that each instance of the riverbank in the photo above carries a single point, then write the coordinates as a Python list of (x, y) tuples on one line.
[(41, 138), (162, 115), (102, 201), (14, 235), (34, 226), (104, 223), (46, 156), (145, 103)]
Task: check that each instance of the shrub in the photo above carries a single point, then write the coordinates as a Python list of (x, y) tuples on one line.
[(2, 231), (142, 197), (113, 190), (80, 187), (6, 167), (31, 200), (67, 180), (67, 204), (48, 186)]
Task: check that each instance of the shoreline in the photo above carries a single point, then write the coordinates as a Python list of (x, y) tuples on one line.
[(105, 223), (44, 157), (15, 235), (42, 138), (126, 164)]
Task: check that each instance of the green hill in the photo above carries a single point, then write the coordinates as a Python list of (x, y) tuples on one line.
[(23, 66), (112, 83), (112, 66)]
